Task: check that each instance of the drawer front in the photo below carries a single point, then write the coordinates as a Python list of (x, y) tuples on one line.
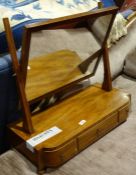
[(92, 134), (123, 113), (57, 157), (87, 137), (108, 124)]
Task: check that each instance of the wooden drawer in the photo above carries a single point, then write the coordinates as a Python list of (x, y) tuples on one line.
[(87, 137), (123, 113), (108, 124), (92, 134), (59, 156)]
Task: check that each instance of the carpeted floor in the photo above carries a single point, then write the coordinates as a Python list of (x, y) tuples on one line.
[(114, 154)]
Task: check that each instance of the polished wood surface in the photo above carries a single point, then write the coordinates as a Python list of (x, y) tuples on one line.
[(107, 82), (93, 104), (52, 72), (101, 110)]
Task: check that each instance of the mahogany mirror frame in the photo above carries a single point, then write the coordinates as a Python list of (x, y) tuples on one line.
[(71, 21)]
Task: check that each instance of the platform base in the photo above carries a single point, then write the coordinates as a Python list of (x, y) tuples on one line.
[(82, 119)]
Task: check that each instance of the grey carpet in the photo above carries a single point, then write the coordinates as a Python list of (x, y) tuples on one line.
[(114, 154)]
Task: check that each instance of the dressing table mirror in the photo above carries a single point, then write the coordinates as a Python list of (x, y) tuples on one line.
[(61, 59), (50, 137)]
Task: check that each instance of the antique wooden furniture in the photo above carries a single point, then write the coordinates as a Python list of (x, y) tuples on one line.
[(51, 137)]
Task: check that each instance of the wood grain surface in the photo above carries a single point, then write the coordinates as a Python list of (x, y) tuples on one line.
[(92, 105)]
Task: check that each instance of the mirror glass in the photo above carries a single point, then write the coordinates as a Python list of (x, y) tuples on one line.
[(55, 56)]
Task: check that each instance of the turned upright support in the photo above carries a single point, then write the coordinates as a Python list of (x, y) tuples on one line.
[(107, 82), (27, 122)]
